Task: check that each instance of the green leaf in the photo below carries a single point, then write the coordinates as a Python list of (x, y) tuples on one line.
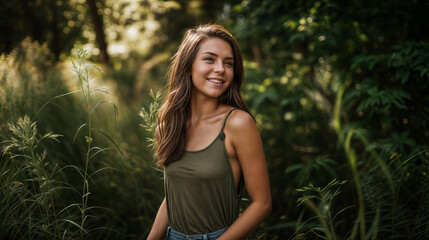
[(99, 151), (111, 140), (78, 130), (56, 97)]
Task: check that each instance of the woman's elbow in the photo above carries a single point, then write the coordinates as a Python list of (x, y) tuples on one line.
[(266, 207)]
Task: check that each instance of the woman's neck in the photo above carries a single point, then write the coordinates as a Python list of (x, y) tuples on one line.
[(202, 107)]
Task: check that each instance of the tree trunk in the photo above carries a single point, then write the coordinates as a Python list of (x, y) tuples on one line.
[(257, 54), (56, 44), (99, 31)]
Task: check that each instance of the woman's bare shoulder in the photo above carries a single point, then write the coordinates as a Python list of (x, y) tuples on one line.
[(240, 120)]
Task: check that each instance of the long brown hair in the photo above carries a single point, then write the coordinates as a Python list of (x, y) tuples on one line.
[(172, 116)]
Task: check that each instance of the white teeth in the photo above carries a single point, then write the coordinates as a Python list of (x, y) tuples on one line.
[(215, 81)]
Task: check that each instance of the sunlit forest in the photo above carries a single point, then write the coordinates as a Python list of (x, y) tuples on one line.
[(339, 90)]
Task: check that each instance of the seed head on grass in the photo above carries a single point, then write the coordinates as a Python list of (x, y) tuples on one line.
[(25, 138), (324, 213), (150, 117), (22, 147)]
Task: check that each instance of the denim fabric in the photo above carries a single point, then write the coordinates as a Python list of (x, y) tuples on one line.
[(174, 235)]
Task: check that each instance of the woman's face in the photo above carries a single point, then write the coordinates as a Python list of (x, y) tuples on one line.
[(213, 68)]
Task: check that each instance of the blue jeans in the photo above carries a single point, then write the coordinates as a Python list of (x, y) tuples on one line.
[(175, 235)]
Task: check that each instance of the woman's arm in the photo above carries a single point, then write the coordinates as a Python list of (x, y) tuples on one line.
[(160, 224), (246, 141)]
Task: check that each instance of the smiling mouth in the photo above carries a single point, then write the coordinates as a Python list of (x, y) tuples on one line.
[(217, 81)]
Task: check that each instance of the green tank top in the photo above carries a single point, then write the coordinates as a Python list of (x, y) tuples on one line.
[(200, 190)]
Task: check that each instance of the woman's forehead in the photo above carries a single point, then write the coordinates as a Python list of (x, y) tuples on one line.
[(216, 46)]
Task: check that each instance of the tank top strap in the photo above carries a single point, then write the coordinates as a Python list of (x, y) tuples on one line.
[(222, 134)]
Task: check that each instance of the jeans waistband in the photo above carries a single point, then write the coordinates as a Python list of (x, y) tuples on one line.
[(175, 235)]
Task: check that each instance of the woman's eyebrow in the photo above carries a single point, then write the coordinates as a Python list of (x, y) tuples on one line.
[(214, 54)]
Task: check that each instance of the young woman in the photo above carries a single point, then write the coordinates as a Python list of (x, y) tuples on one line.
[(208, 144)]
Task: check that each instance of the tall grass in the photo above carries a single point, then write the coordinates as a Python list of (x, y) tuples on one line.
[(391, 192), (88, 189), (28, 191), (82, 69), (326, 218), (30, 203)]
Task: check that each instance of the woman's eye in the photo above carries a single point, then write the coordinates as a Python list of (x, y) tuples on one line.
[(209, 59), (229, 64)]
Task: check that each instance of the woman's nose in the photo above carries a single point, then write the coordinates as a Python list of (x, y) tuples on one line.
[(219, 67)]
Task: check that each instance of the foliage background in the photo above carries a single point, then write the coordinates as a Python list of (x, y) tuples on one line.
[(339, 89)]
